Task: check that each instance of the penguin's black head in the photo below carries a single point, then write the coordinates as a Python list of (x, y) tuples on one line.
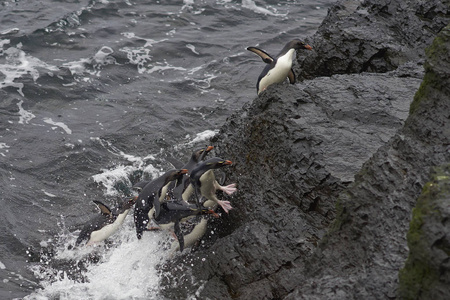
[(175, 174), (201, 153), (129, 202), (297, 44), (217, 162)]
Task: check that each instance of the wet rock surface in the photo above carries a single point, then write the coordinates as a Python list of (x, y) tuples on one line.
[(328, 173), (372, 36)]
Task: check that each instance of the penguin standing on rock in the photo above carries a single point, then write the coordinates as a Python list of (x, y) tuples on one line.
[(151, 196), (278, 68), (203, 181), (108, 222)]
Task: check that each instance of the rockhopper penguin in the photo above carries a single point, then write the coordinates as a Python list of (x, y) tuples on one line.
[(151, 196), (203, 182), (173, 212), (108, 222), (278, 68), (197, 156)]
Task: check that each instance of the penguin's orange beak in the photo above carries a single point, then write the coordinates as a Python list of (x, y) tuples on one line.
[(133, 200), (209, 148), (227, 162), (308, 47), (183, 171)]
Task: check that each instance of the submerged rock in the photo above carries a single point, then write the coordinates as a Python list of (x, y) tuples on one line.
[(426, 274)]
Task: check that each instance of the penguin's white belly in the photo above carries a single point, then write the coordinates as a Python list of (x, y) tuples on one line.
[(279, 72), (108, 230), (196, 234), (207, 187)]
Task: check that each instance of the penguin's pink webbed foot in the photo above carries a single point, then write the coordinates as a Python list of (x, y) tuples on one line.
[(226, 205), (229, 189)]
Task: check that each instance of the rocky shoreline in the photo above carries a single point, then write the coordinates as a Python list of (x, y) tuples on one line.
[(329, 170)]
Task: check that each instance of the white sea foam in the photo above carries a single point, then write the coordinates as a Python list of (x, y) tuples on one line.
[(137, 161), (148, 42), (48, 194), (77, 67), (161, 67), (101, 58), (203, 136), (2, 266), (192, 48), (139, 57), (19, 64), (58, 124), (110, 177), (250, 4), (24, 115), (199, 137), (10, 31)]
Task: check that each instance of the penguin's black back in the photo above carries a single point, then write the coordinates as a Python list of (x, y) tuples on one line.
[(94, 224)]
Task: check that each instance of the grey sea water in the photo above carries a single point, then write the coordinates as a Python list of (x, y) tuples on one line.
[(94, 96)]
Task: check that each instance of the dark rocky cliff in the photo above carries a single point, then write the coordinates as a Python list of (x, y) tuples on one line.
[(329, 170)]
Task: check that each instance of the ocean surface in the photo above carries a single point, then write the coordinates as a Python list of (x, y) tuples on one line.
[(95, 96)]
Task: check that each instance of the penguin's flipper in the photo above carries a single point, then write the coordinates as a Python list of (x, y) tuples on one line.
[(176, 206), (104, 210), (157, 207), (140, 185), (261, 53), (291, 76), (175, 162), (197, 201), (179, 235)]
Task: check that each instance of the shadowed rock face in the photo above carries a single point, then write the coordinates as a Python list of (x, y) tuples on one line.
[(328, 172)]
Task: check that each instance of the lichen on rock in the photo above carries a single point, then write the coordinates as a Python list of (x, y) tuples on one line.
[(426, 274), (438, 60)]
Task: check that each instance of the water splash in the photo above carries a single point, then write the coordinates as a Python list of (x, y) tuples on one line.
[(125, 268)]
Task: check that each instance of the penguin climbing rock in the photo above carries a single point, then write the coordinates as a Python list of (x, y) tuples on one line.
[(278, 68), (151, 196), (192, 237), (203, 182), (107, 223), (173, 212), (196, 157)]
